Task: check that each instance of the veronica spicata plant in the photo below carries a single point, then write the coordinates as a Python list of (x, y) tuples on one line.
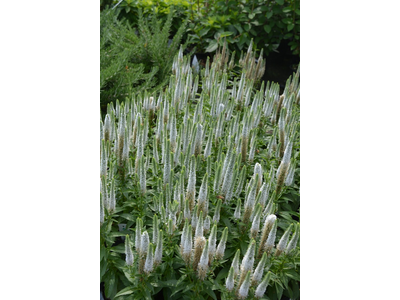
[(197, 199)]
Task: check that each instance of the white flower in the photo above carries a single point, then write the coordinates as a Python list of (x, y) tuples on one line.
[(258, 272), (148, 265), (284, 240), (219, 254), (195, 65), (244, 288), (203, 264), (236, 214), (293, 242), (128, 251), (262, 286), (112, 196), (255, 226), (144, 242), (230, 281), (158, 252), (269, 244), (258, 170), (199, 228), (235, 262), (248, 259), (138, 234), (213, 241)]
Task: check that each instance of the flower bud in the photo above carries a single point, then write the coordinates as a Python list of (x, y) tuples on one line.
[(230, 280), (217, 211), (212, 242), (203, 264), (248, 261), (255, 226), (112, 196), (158, 252), (138, 234), (258, 272), (262, 286), (244, 288), (219, 254), (235, 262), (236, 214), (283, 241), (128, 251), (293, 242), (202, 199), (269, 244), (199, 243), (148, 266), (206, 225), (199, 228)]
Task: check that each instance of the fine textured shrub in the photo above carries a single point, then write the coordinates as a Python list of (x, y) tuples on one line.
[(135, 59)]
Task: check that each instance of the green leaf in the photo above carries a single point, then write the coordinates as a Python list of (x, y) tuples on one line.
[(103, 268), (225, 33), (267, 28), (295, 289), (212, 46), (204, 31), (279, 291), (128, 217), (252, 15), (247, 9), (223, 273), (110, 284), (177, 289), (292, 274), (102, 252), (116, 234), (284, 280), (211, 293), (280, 2), (290, 27), (188, 287), (119, 248), (171, 282), (286, 10), (269, 14), (125, 291)]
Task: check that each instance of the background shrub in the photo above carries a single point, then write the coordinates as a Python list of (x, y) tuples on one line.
[(135, 58), (266, 22)]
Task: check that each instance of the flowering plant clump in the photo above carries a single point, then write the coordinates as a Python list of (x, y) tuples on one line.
[(199, 186)]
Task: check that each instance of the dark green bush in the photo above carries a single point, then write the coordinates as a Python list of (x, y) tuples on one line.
[(133, 59), (266, 22)]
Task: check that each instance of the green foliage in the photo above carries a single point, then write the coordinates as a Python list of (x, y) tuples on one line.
[(212, 21), (134, 59), (266, 22), (128, 9)]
